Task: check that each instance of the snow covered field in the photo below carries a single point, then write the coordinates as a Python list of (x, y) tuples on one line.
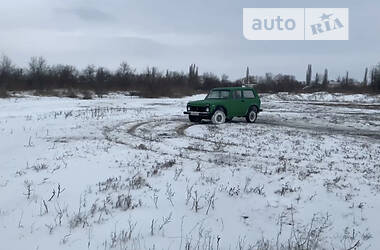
[(124, 172)]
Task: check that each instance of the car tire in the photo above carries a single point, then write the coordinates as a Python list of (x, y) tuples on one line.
[(194, 118), (218, 117), (252, 115)]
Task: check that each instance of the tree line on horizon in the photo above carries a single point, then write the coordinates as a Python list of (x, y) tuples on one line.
[(43, 78)]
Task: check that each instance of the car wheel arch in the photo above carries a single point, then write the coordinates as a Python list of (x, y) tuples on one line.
[(222, 108), (252, 106)]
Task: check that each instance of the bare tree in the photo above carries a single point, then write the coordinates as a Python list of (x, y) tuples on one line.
[(365, 81), (316, 82), (5, 65), (65, 75), (6, 69), (325, 80), (38, 70), (224, 79), (193, 76), (375, 82), (247, 76), (308, 74), (124, 69)]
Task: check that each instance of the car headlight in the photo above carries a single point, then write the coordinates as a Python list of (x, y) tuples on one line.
[(188, 108), (207, 109)]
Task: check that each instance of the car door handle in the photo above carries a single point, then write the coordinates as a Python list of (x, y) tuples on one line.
[(242, 101)]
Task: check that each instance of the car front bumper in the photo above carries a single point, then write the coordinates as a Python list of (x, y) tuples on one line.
[(205, 115)]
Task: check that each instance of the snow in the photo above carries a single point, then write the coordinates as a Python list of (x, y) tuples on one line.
[(134, 173), (324, 97)]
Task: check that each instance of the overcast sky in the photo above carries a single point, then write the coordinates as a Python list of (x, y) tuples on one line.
[(171, 34)]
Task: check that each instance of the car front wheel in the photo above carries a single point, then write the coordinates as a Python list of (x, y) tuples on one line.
[(218, 117), (252, 115)]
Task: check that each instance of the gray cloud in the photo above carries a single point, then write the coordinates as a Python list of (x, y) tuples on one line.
[(173, 34), (87, 14)]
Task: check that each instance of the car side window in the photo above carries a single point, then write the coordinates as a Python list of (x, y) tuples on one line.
[(237, 94), (224, 94), (248, 94)]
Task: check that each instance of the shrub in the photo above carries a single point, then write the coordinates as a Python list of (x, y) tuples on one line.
[(3, 93)]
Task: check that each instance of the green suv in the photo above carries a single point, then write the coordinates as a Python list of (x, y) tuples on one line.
[(223, 104)]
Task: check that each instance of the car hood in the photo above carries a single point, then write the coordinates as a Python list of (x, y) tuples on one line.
[(203, 102)]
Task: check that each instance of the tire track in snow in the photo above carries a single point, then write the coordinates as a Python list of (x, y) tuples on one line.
[(132, 131), (324, 130), (151, 131)]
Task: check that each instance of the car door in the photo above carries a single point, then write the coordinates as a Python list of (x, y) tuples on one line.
[(225, 100), (237, 103), (249, 99)]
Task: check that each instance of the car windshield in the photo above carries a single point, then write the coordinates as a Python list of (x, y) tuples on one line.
[(218, 94)]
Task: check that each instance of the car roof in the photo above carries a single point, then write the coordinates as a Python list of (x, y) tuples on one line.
[(233, 88)]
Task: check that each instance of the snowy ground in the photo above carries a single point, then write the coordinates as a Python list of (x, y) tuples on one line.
[(129, 173)]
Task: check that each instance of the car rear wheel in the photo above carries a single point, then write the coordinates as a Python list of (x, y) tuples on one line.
[(252, 115), (218, 117), (194, 118)]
